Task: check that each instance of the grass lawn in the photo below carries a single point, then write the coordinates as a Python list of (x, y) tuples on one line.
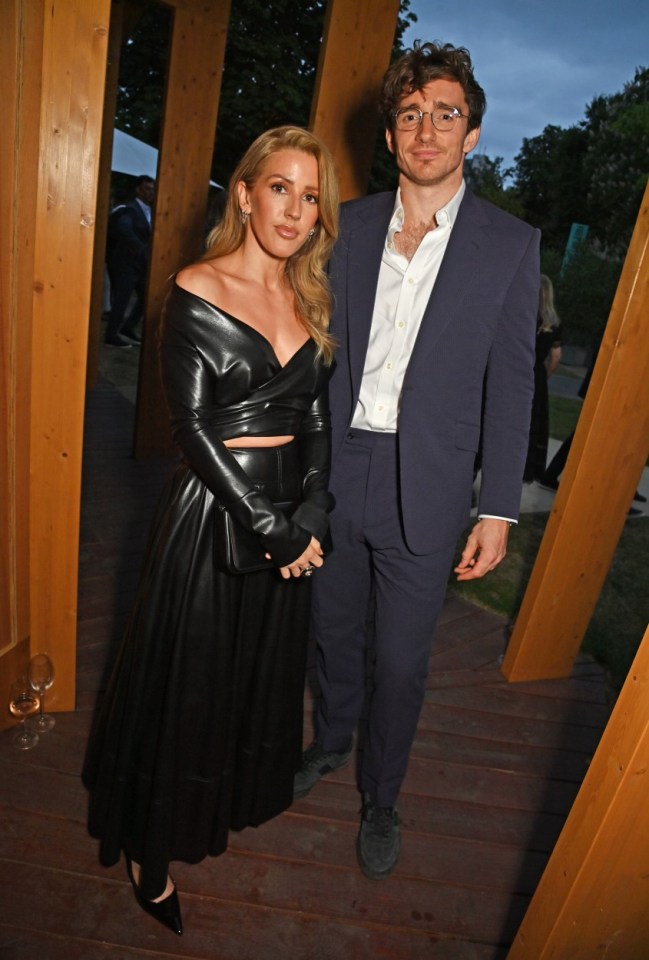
[(564, 413), (622, 612)]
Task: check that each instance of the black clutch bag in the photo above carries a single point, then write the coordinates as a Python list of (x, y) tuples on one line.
[(237, 550)]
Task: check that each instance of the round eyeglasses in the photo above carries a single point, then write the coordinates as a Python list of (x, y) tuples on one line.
[(410, 118)]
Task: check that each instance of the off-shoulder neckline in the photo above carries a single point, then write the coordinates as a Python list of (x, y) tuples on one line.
[(243, 323)]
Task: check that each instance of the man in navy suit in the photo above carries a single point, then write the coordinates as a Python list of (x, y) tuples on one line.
[(436, 293), (127, 259)]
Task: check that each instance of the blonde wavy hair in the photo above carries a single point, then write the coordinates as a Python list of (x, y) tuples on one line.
[(305, 269), (548, 318)]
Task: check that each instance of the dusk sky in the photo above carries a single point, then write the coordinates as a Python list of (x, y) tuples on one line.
[(539, 61)]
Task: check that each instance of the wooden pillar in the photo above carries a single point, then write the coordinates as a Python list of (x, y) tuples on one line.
[(103, 192), (355, 53), (191, 107), (606, 459), (75, 34), (21, 56), (593, 898)]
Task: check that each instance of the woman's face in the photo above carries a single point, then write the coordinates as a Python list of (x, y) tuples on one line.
[(282, 202)]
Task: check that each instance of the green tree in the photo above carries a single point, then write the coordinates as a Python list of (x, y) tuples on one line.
[(592, 173), (487, 179), (271, 59), (616, 164), (142, 74), (269, 73), (584, 288), (548, 178)]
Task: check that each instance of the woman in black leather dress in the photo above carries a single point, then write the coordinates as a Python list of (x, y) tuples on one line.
[(201, 728)]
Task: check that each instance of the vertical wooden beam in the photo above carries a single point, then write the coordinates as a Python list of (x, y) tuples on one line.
[(606, 459), (191, 107), (21, 54), (102, 209), (593, 898), (355, 53), (73, 75)]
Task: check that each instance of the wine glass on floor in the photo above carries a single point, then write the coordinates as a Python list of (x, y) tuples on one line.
[(41, 677), (23, 703)]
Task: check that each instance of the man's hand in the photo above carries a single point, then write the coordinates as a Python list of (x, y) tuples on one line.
[(486, 546)]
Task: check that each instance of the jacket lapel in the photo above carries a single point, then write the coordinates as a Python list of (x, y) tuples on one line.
[(366, 241), (456, 280)]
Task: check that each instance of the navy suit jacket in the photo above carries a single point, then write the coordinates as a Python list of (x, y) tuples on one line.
[(129, 236), (476, 341)]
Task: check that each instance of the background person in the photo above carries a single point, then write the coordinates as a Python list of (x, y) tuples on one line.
[(127, 259), (547, 359)]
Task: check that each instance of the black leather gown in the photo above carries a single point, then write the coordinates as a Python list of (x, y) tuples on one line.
[(201, 727)]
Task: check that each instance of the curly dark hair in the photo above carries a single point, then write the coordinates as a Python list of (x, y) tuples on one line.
[(426, 62)]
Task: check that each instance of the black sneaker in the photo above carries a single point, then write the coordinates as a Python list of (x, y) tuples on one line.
[(379, 842), (316, 761), (118, 341)]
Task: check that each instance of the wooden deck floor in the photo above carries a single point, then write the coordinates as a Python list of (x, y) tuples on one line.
[(493, 773)]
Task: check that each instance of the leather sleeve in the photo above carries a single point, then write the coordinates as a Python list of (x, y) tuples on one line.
[(187, 388), (315, 457)]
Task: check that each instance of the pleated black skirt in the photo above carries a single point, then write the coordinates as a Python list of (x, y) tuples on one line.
[(200, 730)]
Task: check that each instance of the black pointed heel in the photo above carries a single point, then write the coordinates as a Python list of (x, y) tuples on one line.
[(166, 912)]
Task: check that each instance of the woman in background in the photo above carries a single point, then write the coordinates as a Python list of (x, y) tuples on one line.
[(201, 728), (548, 356)]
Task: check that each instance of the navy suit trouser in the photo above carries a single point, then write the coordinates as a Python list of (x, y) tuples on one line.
[(375, 606), (124, 282)]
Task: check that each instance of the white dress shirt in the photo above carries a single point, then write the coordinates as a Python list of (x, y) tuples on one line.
[(402, 294), (146, 209)]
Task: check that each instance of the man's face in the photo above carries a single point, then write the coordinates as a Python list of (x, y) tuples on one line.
[(146, 192), (427, 156)]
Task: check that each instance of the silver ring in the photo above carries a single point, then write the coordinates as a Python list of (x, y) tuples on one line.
[(307, 572)]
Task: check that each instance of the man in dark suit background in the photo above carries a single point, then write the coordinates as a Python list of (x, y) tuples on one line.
[(127, 260), (436, 294)]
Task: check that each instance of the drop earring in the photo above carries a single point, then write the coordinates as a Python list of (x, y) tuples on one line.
[(311, 234), (244, 217)]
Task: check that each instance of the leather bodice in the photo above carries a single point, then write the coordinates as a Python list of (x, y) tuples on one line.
[(222, 379), (238, 382)]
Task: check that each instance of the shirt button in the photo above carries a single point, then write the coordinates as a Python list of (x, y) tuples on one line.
[(389, 366), (401, 323), (412, 281)]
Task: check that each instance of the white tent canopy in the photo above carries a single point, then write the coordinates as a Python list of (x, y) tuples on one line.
[(135, 157)]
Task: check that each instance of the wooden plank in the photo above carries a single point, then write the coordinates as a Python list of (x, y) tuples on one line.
[(542, 761), (355, 53), (214, 927), (21, 41), (75, 34), (314, 845), (515, 702), (606, 459), (191, 107), (103, 193), (500, 727), (592, 900)]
